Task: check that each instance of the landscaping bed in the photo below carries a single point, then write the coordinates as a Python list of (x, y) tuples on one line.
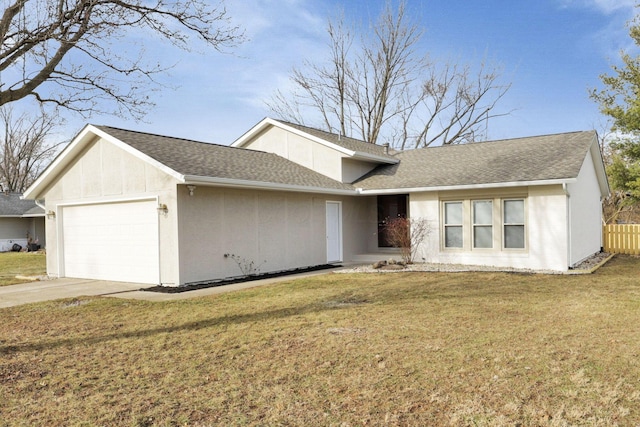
[(240, 279)]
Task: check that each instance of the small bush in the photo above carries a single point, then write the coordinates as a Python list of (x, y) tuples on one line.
[(407, 234)]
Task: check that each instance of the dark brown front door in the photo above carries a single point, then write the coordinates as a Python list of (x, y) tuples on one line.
[(389, 207)]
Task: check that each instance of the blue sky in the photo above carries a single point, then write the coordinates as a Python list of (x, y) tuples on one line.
[(551, 51)]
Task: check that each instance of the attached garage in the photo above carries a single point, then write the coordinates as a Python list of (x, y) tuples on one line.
[(111, 241)]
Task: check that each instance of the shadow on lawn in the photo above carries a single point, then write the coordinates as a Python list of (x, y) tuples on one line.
[(455, 289), (191, 326)]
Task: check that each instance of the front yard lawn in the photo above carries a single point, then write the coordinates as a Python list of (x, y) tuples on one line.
[(13, 264), (488, 349)]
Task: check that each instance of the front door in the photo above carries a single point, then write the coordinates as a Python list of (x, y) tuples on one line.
[(334, 232), (389, 207)]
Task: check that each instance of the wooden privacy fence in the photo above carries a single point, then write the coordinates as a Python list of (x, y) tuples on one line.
[(621, 238)]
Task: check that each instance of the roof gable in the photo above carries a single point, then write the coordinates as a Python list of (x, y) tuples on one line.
[(520, 161), (75, 148), (351, 147)]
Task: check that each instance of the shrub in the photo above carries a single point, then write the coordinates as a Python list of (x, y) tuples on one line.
[(407, 234)]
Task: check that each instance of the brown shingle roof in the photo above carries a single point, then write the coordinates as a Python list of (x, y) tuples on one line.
[(537, 158), (192, 158)]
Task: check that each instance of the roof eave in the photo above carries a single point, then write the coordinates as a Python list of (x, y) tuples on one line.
[(259, 185), (601, 173), (375, 191), (359, 155)]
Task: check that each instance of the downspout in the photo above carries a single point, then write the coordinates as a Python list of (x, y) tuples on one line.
[(40, 205), (565, 189)]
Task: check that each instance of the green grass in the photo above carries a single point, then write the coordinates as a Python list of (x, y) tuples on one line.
[(476, 349), (13, 264)]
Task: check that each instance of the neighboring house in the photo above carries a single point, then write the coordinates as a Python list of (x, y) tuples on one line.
[(21, 222), (137, 207)]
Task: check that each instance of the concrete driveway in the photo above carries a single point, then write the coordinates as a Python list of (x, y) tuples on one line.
[(47, 290)]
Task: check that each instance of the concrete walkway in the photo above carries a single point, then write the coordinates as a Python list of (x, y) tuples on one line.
[(48, 290)]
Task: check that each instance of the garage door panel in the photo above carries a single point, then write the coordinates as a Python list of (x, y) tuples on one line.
[(115, 241)]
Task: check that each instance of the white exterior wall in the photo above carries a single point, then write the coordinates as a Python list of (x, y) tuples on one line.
[(310, 154), (546, 235), (274, 230), (548, 232), (354, 169), (585, 214), (303, 151), (106, 173)]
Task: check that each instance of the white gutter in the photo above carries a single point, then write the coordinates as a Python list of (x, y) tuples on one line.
[(241, 183), (248, 184), (564, 182)]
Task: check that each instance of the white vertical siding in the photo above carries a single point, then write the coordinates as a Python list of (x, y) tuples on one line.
[(310, 154), (302, 151)]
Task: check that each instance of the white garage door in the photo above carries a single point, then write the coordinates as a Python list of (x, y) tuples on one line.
[(113, 241)]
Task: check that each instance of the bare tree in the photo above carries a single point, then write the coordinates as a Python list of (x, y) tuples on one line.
[(383, 88), (621, 205), (75, 53), (26, 148)]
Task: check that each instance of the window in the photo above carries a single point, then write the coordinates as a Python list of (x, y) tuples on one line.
[(453, 224), (491, 225), (513, 217), (483, 224)]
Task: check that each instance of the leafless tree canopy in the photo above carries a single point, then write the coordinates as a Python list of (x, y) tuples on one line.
[(621, 206), (75, 54), (25, 148), (380, 88)]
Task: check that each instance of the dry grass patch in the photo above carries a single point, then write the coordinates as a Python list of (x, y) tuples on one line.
[(13, 264), (375, 349)]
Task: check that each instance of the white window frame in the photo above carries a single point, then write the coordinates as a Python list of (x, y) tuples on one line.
[(497, 224), (474, 224), (445, 225), (506, 224)]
